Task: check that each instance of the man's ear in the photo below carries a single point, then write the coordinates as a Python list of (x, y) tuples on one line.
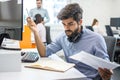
[(80, 22)]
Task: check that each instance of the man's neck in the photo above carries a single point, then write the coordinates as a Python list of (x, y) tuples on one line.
[(80, 28), (38, 7)]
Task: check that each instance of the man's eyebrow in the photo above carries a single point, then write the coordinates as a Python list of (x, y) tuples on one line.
[(68, 23), (63, 23)]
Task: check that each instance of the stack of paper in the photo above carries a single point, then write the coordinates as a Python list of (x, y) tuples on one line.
[(10, 44)]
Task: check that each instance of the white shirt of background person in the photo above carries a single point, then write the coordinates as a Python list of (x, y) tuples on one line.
[(42, 33)]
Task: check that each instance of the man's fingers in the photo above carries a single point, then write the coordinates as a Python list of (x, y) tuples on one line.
[(29, 20), (101, 71), (105, 73)]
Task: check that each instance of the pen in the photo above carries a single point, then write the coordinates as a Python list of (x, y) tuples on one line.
[(27, 12)]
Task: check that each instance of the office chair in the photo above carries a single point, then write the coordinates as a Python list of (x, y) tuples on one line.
[(117, 54), (2, 36), (116, 74), (111, 44), (109, 30), (117, 48), (90, 28), (48, 37)]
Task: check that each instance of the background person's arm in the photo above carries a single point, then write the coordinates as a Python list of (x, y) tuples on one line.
[(47, 17)]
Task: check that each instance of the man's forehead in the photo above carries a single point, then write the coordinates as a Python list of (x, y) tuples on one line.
[(69, 20), (39, 1)]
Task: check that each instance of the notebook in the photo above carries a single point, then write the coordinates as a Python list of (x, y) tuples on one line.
[(52, 65)]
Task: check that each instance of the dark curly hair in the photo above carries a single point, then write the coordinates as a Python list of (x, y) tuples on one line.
[(39, 0), (38, 18), (71, 10)]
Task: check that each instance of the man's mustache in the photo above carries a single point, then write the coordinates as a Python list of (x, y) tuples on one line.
[(68, 31)]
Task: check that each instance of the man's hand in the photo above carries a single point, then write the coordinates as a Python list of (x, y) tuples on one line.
[(31, 24), (105, 73)]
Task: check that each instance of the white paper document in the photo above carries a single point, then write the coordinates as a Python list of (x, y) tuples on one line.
[(94, 61), (10, 44)]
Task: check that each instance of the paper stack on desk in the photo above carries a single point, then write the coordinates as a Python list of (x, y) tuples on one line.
[(50, 64), (94, 61), (10, 44)]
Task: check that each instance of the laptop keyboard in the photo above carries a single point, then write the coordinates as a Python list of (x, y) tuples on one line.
[(30, 57)]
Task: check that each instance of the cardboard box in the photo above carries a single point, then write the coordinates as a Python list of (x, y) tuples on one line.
[(10, 60)]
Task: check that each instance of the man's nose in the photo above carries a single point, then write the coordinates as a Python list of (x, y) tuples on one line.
[(67, 27)]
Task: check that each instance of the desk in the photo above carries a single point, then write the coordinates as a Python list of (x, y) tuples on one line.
[(38, 74)]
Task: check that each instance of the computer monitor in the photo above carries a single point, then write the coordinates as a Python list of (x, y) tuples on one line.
[(115, 22), (11, 18)]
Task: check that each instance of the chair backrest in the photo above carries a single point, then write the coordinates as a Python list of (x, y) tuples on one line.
[(111, 44), (48, 37), (2, 36), (90, 28), (116, 74), (109, 30)]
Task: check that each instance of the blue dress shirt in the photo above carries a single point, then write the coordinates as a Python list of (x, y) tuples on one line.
[(90, 42)]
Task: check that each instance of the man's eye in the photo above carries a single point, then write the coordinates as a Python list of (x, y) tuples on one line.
[(63, 24), (71, 24)]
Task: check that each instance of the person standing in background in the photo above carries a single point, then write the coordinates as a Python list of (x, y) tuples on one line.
[(39, 10), (95, 26)]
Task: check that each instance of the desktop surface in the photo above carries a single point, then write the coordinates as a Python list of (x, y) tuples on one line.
[(39, 74), (75, 79)]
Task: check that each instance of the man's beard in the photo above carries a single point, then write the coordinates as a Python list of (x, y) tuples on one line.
[(38, 7), (73, 33), (74, 36), (66, 31)]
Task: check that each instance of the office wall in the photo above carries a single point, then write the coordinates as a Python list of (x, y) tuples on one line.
[(115, 9), (100, 9)]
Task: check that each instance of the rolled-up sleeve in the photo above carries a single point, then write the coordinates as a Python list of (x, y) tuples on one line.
[(53, 47)]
